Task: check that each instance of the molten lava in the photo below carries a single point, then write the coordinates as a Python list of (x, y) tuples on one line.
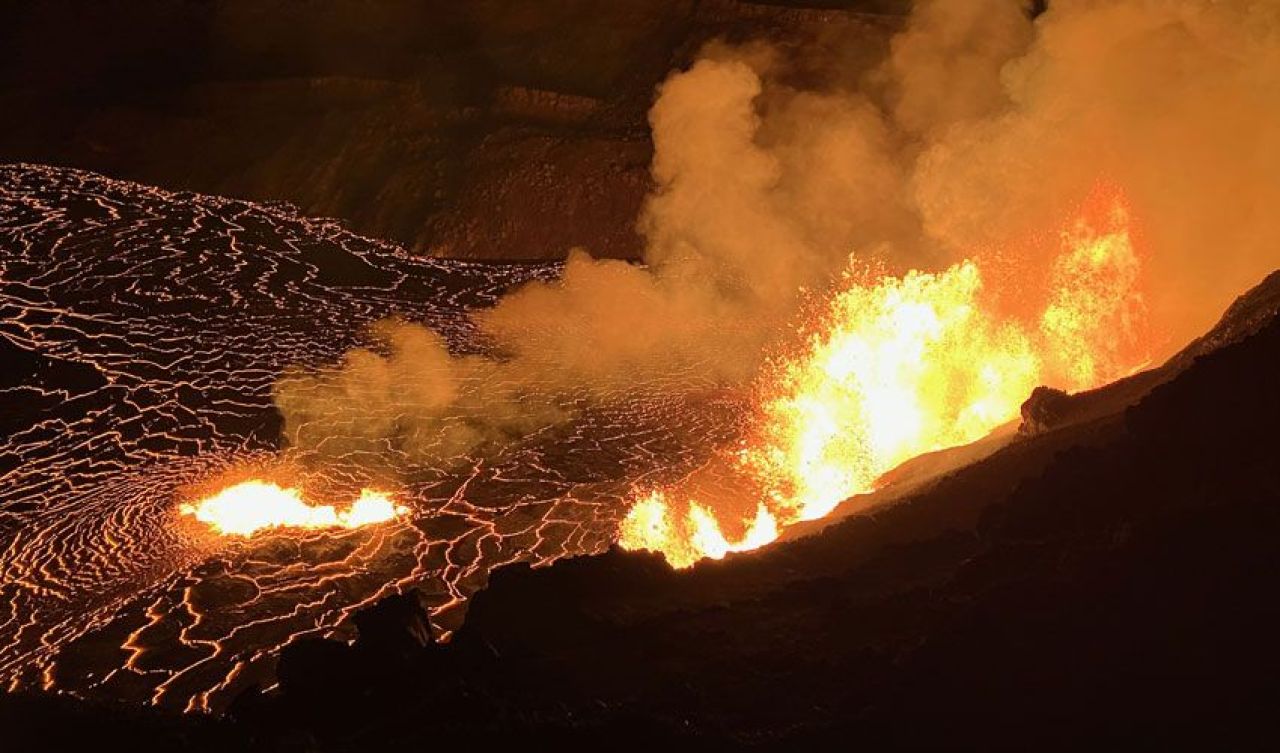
[(252, 506), (689, 538), (901, 366)]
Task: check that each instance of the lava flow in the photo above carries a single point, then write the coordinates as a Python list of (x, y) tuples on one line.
[(252, 506), (901, 366)]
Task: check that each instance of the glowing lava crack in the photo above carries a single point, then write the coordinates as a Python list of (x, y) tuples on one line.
[(252, 506)]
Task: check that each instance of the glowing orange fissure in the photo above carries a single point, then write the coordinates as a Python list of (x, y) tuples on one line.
[(901, 366), (248, 507)]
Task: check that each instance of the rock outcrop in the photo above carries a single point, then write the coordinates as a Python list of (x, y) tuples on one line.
[(1047, 408), (494, 129)]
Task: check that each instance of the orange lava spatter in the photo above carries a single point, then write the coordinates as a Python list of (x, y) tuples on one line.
[(251, 506), (900, 366)]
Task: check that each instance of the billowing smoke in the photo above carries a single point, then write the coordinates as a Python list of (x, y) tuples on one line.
[(1173, 101), (977, 134)]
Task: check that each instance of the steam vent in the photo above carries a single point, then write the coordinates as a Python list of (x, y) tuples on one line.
[(393, 375)]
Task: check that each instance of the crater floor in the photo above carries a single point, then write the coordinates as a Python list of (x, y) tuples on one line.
[(141, 333)]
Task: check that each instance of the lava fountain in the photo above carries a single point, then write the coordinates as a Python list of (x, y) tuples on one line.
[(255, 505), (898, 366)]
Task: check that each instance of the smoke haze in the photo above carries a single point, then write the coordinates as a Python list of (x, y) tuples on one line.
[(980, 133)]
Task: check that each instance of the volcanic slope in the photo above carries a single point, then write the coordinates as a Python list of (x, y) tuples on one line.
[(141, 333)]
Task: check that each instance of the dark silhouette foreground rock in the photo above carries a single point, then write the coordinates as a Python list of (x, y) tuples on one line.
[(397, 626), (1046, 409)]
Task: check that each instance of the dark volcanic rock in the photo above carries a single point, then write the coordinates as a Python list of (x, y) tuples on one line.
[(1045, 409), (1248, 314), (494, 129), (394, 630), (309, 668), (43, 722), (397, 625), (583, 595)]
